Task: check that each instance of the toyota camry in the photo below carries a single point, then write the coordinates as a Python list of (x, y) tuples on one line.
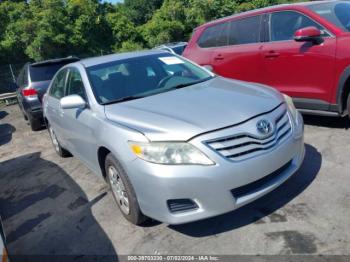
[(174, 141)]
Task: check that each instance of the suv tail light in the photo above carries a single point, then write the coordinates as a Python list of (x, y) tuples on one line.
[(30, 92)]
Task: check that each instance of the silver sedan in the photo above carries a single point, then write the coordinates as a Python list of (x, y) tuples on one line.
[(174, 141)]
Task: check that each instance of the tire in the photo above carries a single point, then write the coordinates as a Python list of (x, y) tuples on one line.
[(348, 105), (35, 124), (122, 191), (58, 149)]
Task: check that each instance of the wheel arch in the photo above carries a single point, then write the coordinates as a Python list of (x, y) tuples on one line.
[(343, 89), (102, 153)]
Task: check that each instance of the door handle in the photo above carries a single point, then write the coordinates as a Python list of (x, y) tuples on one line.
[(272, 54), (219, 57)]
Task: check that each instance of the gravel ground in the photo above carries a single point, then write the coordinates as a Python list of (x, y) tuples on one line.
[(57, 206)]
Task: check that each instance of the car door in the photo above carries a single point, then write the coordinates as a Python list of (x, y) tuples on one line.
[(53, 109), (238, 53), (299, 69), (78, 124)]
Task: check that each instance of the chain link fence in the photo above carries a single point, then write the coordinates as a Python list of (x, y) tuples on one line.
[(8, 75)]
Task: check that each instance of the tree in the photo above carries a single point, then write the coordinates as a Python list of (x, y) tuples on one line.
[(89, 30), (14, 28), (141, 11), (123, 31), (168, 24), (43, 29), (49, 24)]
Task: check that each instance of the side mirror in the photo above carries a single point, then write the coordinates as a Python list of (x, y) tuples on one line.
[(308, 34), (72, 101)]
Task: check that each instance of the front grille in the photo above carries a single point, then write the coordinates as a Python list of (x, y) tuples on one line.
[(261, 183), (242, 146), (181, 205)]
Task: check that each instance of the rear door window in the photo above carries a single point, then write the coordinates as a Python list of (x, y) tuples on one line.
[(245, 31), (214, 36), (57, 89)]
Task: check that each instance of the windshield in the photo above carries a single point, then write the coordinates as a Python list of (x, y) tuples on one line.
[(337, 13), (142, 76)]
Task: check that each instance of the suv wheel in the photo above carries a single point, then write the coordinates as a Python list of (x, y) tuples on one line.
[(348, 103), (122, 191), (59, 150), (35, 125)]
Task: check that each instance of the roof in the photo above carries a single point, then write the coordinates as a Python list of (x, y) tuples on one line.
[(269, 8), (117, 57), (69, 59), (171, 45)]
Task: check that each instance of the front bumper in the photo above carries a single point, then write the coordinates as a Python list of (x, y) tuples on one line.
[(210, 187)]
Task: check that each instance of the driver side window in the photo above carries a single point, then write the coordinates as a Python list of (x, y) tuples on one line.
[(58, 85), (283, 25)]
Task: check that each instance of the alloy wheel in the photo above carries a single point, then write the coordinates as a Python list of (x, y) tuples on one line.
[(118, 190)]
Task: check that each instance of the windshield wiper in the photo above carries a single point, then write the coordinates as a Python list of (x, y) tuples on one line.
[(191, 83), (123, 99)]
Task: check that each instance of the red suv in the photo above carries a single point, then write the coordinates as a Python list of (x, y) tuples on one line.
[(303, 50)]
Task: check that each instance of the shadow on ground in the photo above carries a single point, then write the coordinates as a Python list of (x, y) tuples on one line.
[(45, 212), (3, 114), (326, 121), (265, 206), (6, 131)]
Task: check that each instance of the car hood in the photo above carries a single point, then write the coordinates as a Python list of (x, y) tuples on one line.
[(181, 114)]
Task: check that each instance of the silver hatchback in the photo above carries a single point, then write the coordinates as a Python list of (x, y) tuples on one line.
[(174, 141)]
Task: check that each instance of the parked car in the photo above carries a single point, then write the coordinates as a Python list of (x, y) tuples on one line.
[(303, 50), (32, 83), (175, 47), (174, 141)]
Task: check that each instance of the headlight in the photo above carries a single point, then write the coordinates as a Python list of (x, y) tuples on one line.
[(297, 118), (291, 107), (170, 153)]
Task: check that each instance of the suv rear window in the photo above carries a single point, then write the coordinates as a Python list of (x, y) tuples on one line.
[(44, 72), (336, 13), (235, 32), (214, 36)]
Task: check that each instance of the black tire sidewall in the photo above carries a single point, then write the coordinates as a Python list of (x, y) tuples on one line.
[(135, 215), (35, 124), (61, 151)]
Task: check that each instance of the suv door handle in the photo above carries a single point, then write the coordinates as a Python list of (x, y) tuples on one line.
[(272, 54), (219, 57)]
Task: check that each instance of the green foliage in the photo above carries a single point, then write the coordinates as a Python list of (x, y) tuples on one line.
[(42, 29), (140, 11)]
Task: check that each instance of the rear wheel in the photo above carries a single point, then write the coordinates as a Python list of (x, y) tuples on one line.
[(59, 150), (122, 190), (35, 124)]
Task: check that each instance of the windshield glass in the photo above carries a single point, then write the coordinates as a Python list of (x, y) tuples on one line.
[(337, 13), (142, 76)]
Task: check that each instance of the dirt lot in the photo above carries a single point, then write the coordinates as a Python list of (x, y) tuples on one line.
[(57, 206)]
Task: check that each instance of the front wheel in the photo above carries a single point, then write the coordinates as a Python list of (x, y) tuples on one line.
[(122, 190), (59, 150), (348, 105)]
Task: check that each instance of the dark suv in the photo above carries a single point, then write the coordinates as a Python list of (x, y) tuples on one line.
[(301, 49), (32, 82)]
